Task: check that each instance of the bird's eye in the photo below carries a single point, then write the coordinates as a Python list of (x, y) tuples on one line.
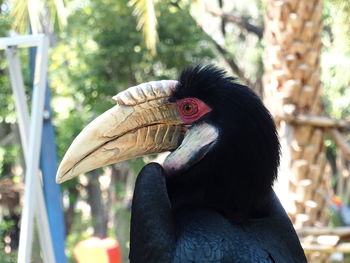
[(191, 109)]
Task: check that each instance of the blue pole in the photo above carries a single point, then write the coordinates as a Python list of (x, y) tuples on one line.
[(48, 165), (52, 191)]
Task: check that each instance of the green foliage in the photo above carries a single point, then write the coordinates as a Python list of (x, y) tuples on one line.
[(5, 20), (6, 257), (103, 53), (340, 15), (112, 55), (336, 79), (336, 58), (5, 104), (9, 153)]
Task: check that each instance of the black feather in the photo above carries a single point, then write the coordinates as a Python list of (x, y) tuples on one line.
[(223, 208), (246, 157)]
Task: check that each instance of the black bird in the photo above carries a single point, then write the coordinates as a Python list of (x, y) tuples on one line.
[(212, 201)]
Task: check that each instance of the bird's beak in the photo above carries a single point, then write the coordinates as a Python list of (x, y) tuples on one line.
[(143, 122)]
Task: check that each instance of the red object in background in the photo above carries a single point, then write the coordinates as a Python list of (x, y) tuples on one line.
[(94, 249)]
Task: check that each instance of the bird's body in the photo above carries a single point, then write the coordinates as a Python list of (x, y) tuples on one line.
[(207, 236), (220, 208), (192, 234), (212, 201)]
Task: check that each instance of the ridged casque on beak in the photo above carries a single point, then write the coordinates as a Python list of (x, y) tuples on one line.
[(143, 122)]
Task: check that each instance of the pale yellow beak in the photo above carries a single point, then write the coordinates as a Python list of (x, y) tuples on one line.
[(143, 122)]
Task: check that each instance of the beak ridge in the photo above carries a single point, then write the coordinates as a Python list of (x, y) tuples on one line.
[(143, 123)]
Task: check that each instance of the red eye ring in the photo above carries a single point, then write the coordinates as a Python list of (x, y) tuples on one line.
[(191, 109)]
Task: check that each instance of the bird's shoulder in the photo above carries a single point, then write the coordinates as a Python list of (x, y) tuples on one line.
[(275, 233), (206, 236)]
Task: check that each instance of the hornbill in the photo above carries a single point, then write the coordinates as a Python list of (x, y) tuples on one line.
[(212, 200)]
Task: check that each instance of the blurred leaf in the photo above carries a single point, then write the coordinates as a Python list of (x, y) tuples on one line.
[(25, 11), (147, 21)]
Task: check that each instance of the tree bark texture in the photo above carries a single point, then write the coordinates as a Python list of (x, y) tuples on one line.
[(292, 87)]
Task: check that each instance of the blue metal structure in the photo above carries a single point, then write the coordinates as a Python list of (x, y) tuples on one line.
[(48, 165)]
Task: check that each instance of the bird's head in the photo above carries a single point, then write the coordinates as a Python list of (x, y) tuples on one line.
[(225, 150)]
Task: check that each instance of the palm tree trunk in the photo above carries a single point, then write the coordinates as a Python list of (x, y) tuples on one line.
[(292, 87)]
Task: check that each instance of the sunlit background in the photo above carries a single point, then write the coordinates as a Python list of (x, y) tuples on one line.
[(100, 47)]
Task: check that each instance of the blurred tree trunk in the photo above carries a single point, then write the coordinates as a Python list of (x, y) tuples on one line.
[(98, 214), (119, 219), (292, 87), (70, 212)]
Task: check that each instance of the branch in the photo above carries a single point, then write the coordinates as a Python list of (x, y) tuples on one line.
[(229, 60), (320, 231), (342, 247), (314, 120), (243, 23), (324, 122), (223, 20), (235, 68), (341, 142)]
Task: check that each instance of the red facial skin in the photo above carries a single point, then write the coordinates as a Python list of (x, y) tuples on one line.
[(191, 109)]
